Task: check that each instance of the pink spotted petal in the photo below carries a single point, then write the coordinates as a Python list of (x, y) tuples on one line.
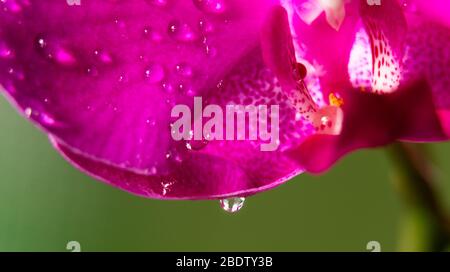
[(373, 120)]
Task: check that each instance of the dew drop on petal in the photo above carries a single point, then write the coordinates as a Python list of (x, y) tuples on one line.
[(158, 3), (153, 170), (28, 112), (152, 34), (211, 6), (5, 51), (55, 51), (233, 204), (154, 73), (196, 145), (11, 5), (182, 31), (92, 71), (63, 56), (46, 120), (168, 86), (210, 51), (184, 70), (206, 27), (103, 56)]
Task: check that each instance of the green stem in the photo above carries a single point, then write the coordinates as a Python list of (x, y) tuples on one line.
[(426, 226)]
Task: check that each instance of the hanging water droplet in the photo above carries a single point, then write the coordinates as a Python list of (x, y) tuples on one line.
[(28, 112), (182, 31), (233, 204), (154, 73), (211, 6)]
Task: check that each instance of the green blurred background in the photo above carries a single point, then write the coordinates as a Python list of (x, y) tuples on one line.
[(45, 203)]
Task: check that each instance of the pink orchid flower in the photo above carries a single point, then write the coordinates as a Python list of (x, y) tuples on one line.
[(102, 77)]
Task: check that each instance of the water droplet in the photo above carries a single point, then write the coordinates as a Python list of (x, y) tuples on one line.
[(5, 51), (16, 73), (299, 71), (206, 27), (46, 120), (103, 56), (211, 6), (184, 70), (152, 34), (174, 156), (409, 6), (63, 56), (92, 71), (150, 122), (122, 79), (166, 187), (182, 31), (11, 5), (158, 3), (210, 51), (154, 73), (168, 87), (41, 43), (196, 145), (28, 112), (119, 23), (233, 204), (186, 88), (55, 51)]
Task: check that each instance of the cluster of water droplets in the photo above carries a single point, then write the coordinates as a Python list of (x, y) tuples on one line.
[(178, 77)]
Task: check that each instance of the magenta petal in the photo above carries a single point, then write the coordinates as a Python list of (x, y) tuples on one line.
[(200, 176), (435, 10), (277, 47), (444, 116), (102, 78), (373, 120), (327, 48)]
